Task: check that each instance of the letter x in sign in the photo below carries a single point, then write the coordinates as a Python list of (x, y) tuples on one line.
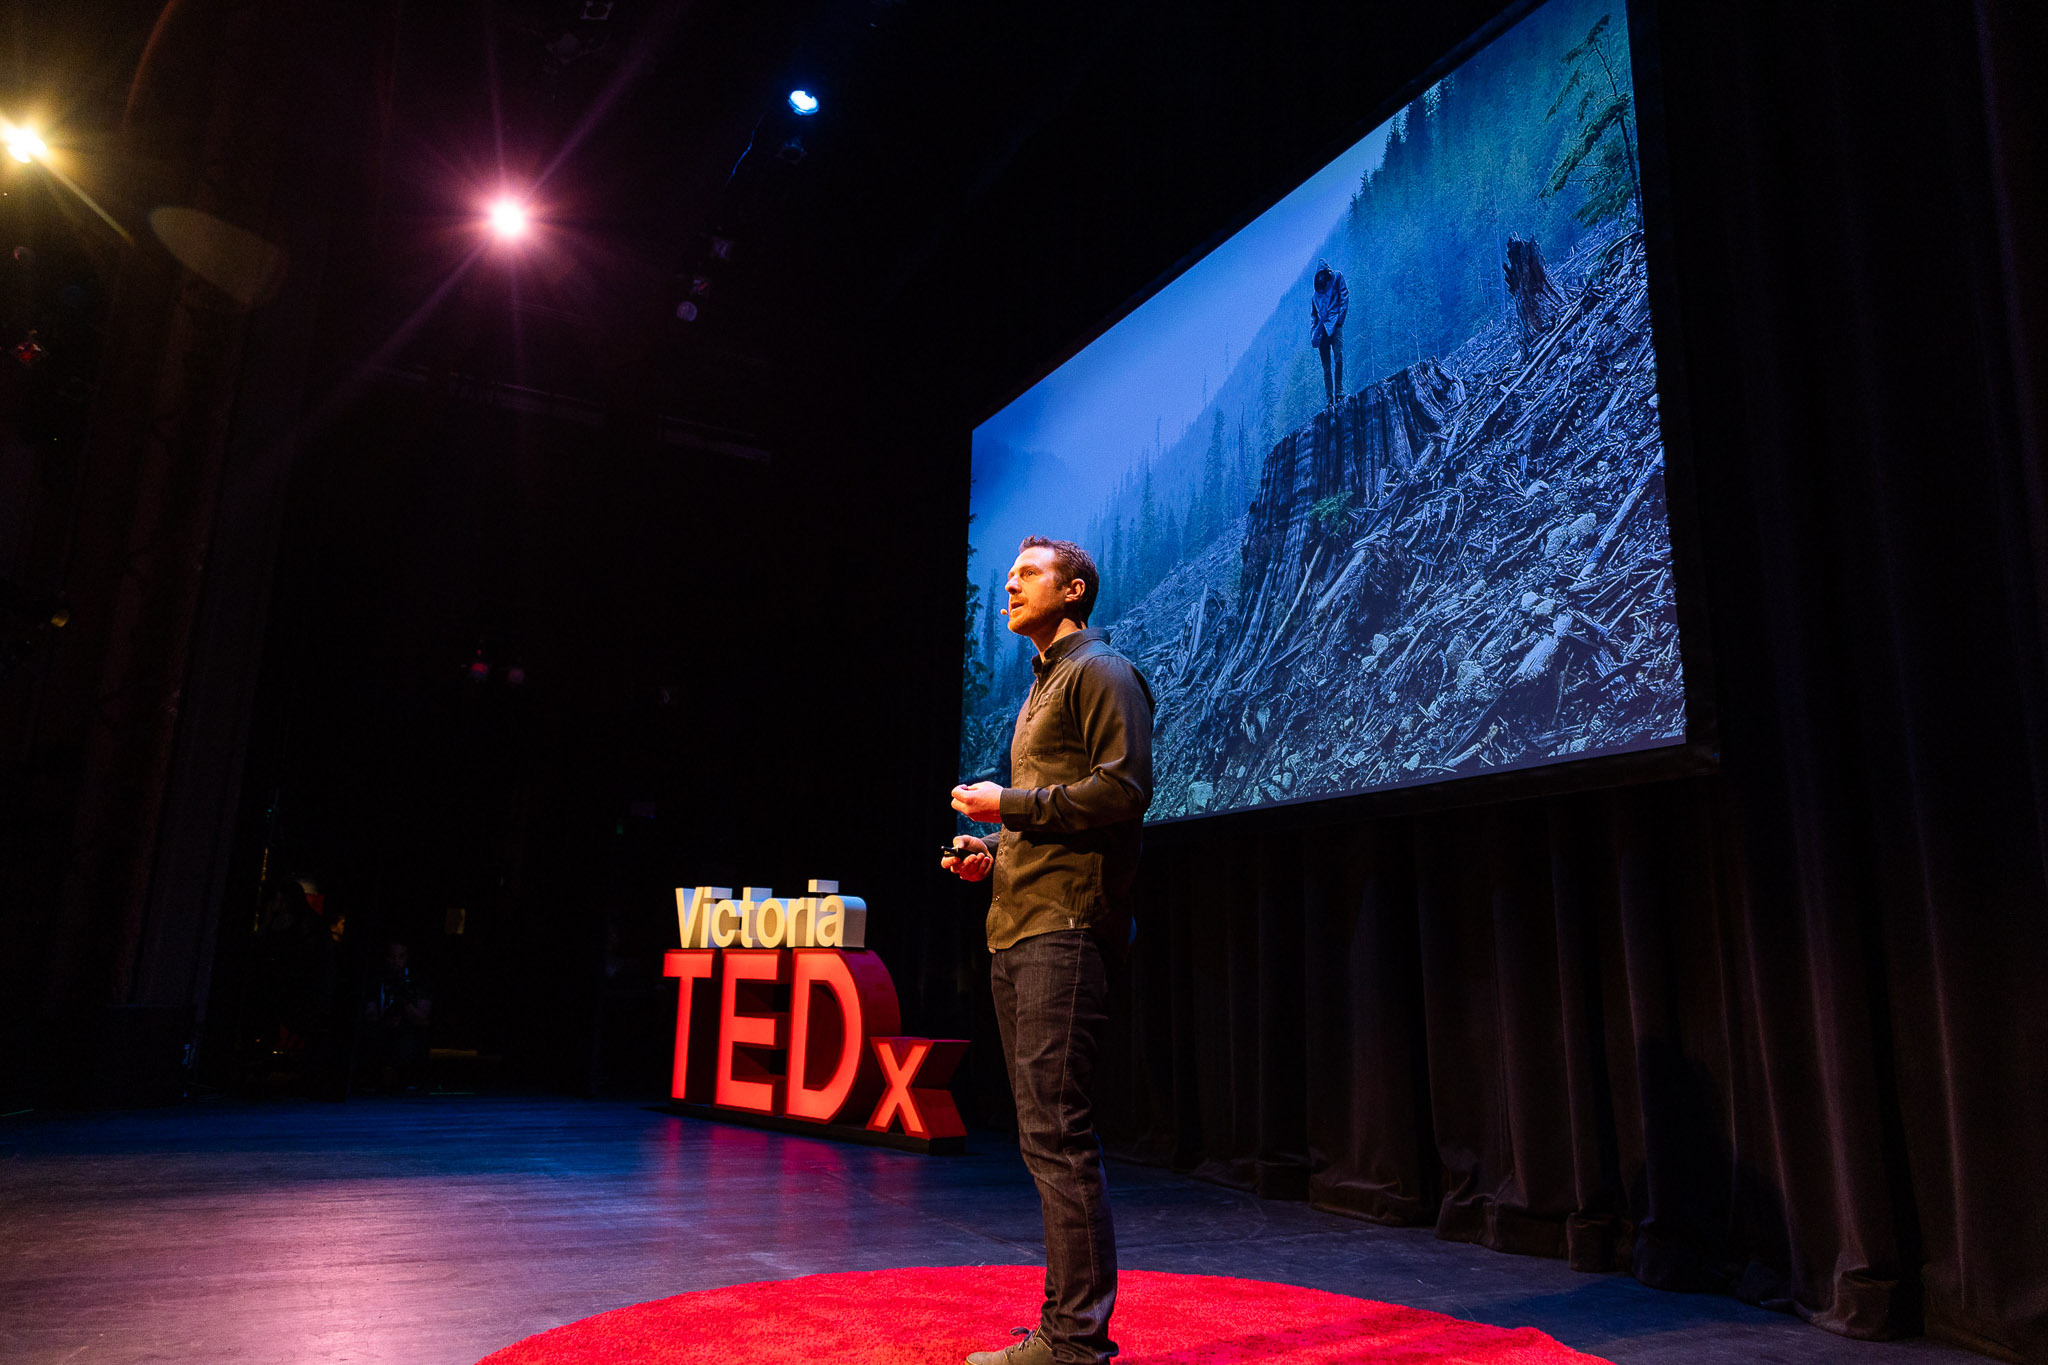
[(927, 1110)]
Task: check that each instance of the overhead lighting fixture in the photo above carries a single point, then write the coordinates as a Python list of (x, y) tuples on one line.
[(803, 101), (509, 219), (22, 143)]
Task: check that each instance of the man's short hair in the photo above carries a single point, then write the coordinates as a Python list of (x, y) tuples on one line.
[(1070, 561)]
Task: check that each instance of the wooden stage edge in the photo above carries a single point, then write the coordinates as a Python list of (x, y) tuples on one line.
[(837, 1132)]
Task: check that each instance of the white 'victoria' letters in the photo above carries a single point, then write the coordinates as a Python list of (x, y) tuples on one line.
[(711, 917)]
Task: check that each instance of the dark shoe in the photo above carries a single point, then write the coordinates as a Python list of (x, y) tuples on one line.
[(1032, 1349)]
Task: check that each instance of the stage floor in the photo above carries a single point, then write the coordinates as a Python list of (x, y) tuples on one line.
[(431, 1231)]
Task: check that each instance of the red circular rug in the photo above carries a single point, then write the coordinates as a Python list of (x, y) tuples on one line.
[(936, 1316)]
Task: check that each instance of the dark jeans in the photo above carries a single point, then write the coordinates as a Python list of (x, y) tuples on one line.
[(1051, 1002), (1332, 348)]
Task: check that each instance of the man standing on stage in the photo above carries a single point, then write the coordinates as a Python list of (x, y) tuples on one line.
[(1080, 778), (1326, 310)]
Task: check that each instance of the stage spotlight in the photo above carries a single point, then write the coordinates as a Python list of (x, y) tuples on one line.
[(508, 219), (22, 143), (687, 310), (803, 101)]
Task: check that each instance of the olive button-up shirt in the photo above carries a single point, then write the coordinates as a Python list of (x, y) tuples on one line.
[(1080, 778)]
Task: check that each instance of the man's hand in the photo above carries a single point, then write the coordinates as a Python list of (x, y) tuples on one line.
[(981, 803), (972, 862)]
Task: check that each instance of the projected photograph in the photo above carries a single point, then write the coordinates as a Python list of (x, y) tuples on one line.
[(1377, 486)]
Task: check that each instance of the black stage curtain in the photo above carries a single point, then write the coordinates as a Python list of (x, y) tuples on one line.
[(1775, 1031)]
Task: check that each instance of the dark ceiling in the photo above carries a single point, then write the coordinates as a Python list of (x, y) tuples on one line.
[(984, 186), (967, 159)]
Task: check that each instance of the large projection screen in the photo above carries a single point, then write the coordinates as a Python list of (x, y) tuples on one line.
[(1461, 563)]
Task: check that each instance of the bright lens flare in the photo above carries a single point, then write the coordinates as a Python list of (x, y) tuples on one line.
[(24, 146), (22, 143), (508, 219)]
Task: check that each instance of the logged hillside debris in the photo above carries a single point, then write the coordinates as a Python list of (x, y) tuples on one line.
[(1463, 566)]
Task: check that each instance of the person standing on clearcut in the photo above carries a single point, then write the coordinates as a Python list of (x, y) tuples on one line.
[(1080, 778), (1326, 310)]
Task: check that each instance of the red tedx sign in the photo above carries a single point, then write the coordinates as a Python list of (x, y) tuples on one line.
[(807, 1033)]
